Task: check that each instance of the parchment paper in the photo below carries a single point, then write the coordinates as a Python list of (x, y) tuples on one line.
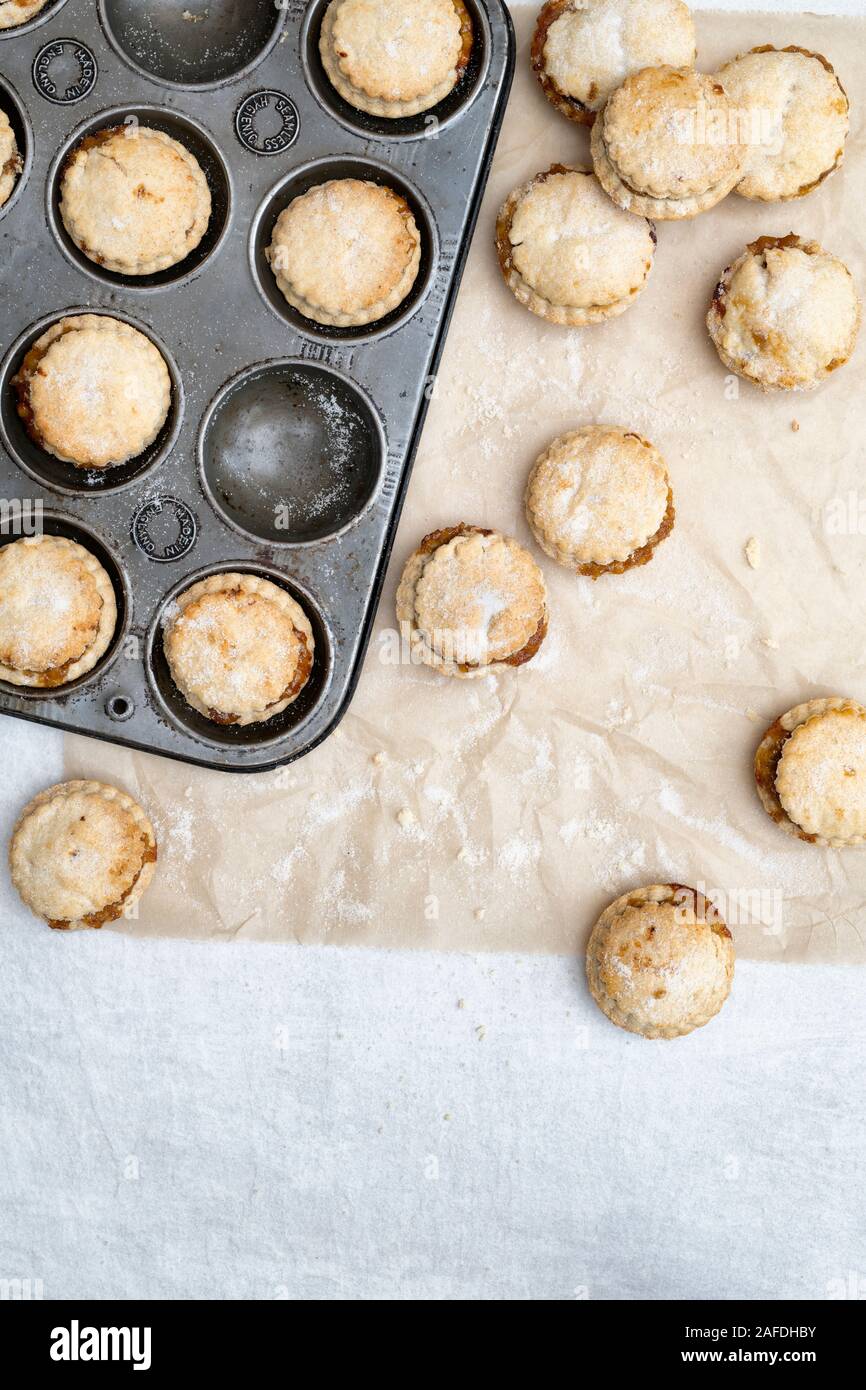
[(503, 813)]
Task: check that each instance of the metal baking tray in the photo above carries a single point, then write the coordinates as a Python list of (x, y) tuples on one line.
[(289, 446)]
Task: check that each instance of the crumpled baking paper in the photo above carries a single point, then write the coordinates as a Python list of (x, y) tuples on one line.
[(503, 813)]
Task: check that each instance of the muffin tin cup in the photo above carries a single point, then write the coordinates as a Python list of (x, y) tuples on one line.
[(290, 444), (300, 181), (54, 473), (427, 124), (200, 143), (198, 48), (54, 523), (267, 733), (291, 453)]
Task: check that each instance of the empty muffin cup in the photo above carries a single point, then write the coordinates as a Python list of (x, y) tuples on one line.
[(291, 452), (206, 43)]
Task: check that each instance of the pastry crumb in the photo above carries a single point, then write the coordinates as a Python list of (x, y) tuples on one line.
[(480, 914), (461, 1003), (406, 818), (771, 643), (194, 18), (480, 1032), (751, 714), (753, 552), (378, 758), (462, 854), (795, 425)]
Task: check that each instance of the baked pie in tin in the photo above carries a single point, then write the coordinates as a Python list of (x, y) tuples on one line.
[(93, 391), (58, 612), (11, 162), (345, 253), (15, 12), (395, 58), (134, 200), (239, 648)]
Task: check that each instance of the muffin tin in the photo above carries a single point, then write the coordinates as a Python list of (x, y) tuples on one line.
[(289, 445)]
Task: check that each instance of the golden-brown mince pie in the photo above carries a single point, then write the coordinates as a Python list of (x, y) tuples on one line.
[(395, 58), (667, 144), (796, 115), (785, 315), (582, 50), (660, 961), (810, 771), (567, 252), (10, 159), (93, 391), (472, 601), (598, 500), (240, 648), (15, 12), (82, 854), (345, 253), (134, 200), (57, 611)]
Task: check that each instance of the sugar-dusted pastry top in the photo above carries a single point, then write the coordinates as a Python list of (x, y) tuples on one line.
[(395, 58), (10, 159), (473, 600), (660, 961), (239, 647), (567, 252), (58, 612), (598, 500), (667, 144), (81, 854), (134, 200), (810, 771), (786, 314), (346, 252), (93, 391), (795, 110), (582, 50)]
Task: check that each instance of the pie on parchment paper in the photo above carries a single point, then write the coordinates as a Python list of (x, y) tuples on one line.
[(82, 854)]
